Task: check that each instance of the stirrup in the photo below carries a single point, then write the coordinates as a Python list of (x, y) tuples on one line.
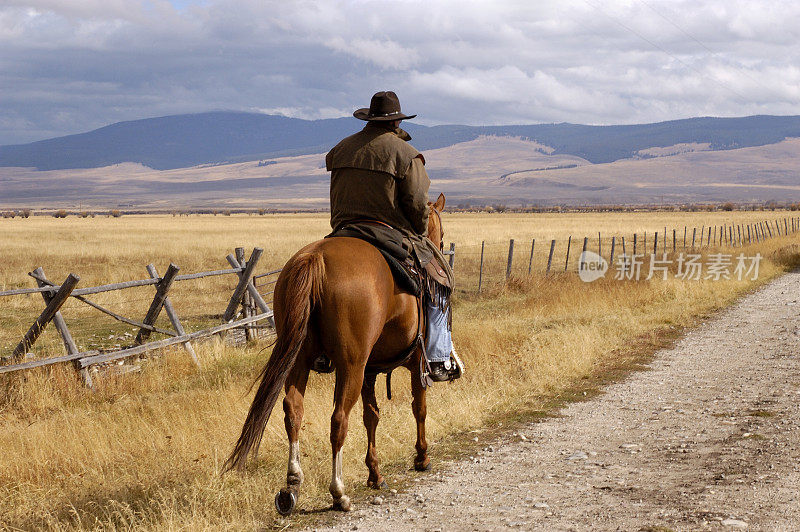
[(322, 364), (458, 370)]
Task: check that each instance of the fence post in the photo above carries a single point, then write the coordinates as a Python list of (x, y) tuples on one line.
[(158, 302), (611, 258), (510, 258), (452, 258), (247, 308), (674, 241), (580, 259), (244, 281), (599, 244), (61, 327), (655, 242), (694, 233), (634, 243), (530, 261), (53, 306), (624, 253), (173, 318), (708, 237), (480, 272), (251, 288), (644, 242), (569, 244), (684, 237), (702, 234), (550, 256)]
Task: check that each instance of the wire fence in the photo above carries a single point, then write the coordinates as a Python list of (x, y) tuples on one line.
[(492, 263)]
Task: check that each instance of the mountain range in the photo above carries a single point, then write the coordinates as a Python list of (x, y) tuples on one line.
[(245, 160), (226, 137)]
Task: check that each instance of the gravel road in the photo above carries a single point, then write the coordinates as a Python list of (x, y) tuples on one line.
[(708, 439)]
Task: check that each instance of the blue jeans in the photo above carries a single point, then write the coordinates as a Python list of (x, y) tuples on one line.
[(440, 341)]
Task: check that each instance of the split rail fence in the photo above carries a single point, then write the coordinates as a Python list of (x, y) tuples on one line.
[(245, 308), (496, 262)]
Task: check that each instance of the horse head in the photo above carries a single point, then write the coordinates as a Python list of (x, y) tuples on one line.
[(435, 228)]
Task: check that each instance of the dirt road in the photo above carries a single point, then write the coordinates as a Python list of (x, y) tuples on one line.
[(709, 439)]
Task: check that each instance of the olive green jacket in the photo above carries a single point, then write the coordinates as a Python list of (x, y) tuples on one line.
[(377, 175)]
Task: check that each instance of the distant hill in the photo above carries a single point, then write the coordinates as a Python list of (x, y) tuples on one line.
[(223, 137)]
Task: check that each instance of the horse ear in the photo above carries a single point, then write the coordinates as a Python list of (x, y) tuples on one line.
[(439, 203)]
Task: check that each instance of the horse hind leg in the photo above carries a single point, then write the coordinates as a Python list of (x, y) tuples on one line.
[(371, 418), (348, 386), (293, 410)]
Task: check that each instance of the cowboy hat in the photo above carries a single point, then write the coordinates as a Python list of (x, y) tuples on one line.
[(384, 106)]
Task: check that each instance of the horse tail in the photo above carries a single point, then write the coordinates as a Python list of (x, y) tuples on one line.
[(303, 283)]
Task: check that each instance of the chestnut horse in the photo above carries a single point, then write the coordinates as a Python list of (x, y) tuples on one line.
[(337, 296)]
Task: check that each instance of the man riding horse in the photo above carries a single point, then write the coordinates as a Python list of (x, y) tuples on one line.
[(354, 302), (379, 193)]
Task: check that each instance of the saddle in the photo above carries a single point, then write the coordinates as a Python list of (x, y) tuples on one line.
[(405, 262), (419, 276)]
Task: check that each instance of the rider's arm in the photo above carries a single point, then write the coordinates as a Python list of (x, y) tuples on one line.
[(413, 195)]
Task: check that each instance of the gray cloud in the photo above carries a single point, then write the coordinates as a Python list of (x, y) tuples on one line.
[(73, 65)]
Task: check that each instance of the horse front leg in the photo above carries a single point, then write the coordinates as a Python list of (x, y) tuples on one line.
[(348, 384), (371, 418), (286, 499), (420, 409)]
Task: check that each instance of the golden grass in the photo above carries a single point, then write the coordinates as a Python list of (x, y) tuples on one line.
[(145, 450)]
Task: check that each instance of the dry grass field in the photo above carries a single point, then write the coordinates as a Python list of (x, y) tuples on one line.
[(145, 450)]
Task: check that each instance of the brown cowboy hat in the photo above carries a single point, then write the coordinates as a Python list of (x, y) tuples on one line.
[(384, 106)]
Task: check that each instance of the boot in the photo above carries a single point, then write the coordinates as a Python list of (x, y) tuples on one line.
[(447, 370)]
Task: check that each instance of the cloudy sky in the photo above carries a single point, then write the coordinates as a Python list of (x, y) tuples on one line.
[(69, 66)]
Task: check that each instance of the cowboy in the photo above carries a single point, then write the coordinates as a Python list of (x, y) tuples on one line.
[(379, 192)]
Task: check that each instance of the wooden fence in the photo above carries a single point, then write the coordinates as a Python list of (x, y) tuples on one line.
[(543, 257), (244, 309)]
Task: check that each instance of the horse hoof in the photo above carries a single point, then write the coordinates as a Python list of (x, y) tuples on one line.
[(342, 504), (378, 486), (285, 502), (423, 467)]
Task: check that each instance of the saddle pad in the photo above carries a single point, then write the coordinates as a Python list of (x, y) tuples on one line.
[(401, 276), (389, 242)]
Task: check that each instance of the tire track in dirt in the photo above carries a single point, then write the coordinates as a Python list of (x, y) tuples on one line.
[(708, 439)]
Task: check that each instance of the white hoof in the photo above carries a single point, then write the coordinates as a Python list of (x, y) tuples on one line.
[(342, 504)]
